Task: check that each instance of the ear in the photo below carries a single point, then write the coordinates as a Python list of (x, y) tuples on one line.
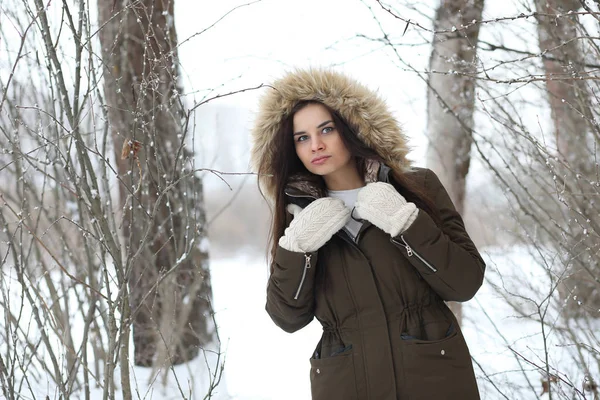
[(293, 209)]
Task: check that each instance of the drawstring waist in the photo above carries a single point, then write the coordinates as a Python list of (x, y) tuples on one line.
[(398, 314)]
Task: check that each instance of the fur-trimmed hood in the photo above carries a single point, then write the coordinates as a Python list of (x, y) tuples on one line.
[(362, 108)]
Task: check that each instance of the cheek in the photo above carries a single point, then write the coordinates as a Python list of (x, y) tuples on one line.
[(342, 149), (301, 152)]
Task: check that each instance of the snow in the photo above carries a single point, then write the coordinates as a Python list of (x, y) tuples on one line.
[(510, 347), (263, 362)]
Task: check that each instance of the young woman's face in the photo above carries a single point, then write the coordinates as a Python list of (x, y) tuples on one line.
[(319, 144)]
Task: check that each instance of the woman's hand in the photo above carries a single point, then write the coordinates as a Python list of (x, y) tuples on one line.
[(314, 225), (382, 205)]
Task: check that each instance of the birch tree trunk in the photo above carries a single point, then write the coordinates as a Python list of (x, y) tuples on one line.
[(163, 217), (573, 133), (451, 98)]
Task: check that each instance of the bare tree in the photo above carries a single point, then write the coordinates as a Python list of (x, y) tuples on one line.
[(574, 131), (451, 94), (543, 176), (169, 277), (451, 97), (80, 269)]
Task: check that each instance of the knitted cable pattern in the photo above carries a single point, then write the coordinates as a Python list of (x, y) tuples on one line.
[(384, 207), (314, 225)]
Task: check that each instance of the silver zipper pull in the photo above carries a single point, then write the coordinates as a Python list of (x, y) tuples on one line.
[(307, 263), (408, 249), (410, 253), (306, 267)]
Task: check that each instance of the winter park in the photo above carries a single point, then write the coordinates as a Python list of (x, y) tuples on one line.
[(441, 240)]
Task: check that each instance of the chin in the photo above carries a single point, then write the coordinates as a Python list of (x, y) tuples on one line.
[(321, 171)]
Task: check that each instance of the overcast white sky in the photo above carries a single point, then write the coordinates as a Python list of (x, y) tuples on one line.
[(259, 42)]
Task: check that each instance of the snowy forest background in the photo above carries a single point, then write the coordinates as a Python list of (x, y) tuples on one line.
[(133, 237)]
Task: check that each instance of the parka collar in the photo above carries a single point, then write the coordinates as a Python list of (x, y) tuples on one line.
[(304, 185)]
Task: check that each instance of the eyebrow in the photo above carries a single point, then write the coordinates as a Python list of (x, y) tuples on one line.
[(322, 124)]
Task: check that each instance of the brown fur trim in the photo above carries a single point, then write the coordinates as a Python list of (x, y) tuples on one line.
[(358, 105)]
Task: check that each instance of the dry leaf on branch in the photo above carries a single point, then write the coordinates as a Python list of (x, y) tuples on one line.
[(130, 147), (590, 385), (546, 383)]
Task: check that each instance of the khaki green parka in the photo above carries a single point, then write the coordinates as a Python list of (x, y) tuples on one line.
[(387, 331)]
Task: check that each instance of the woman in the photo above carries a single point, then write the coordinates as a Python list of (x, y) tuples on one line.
[(363, 242)]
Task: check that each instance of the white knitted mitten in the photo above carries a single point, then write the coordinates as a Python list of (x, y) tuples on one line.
[(314, 225), (382, 205)]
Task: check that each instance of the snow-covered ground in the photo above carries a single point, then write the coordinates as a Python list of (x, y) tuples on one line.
[(261, 361), (264, 362)]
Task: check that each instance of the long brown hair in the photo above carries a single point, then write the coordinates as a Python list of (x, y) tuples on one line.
[(287, 164)]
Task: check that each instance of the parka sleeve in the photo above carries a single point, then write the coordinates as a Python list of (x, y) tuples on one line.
[(290, 290), (447, 259)]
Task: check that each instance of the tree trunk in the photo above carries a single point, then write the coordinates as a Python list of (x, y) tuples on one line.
[(571, 116), (163, 217), (451, 98), (568, 98)]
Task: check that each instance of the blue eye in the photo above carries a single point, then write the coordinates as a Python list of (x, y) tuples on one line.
[(328, 129), (301, 138)]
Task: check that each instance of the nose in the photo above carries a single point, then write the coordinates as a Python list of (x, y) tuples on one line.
[(317, 144)]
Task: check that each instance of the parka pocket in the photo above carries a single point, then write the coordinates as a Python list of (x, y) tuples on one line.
[(439, 369), (332, 378)]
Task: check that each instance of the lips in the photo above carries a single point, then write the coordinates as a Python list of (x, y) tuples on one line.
[(320, 160)]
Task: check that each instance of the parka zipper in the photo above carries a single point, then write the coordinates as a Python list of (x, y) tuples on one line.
[(306, 255), (306, 267), (410, 252)]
